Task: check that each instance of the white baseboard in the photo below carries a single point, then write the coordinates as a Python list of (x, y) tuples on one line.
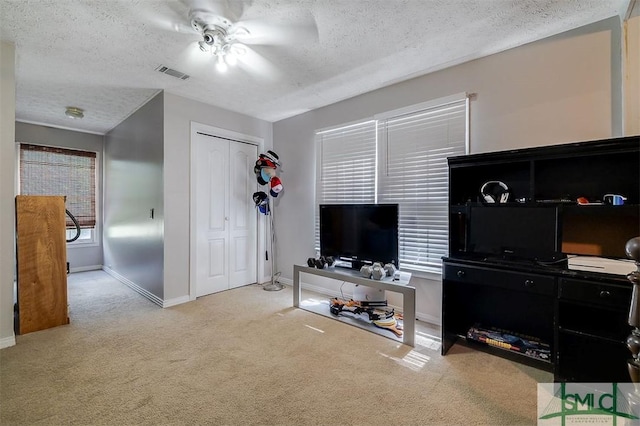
[(429, 318), (267, 280), (135, 287), (175, 301), (6, 342), (285, 281), (85, 268)]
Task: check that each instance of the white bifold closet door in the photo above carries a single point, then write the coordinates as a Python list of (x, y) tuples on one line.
[(226, 217)]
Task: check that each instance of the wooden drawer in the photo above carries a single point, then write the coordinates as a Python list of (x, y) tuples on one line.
[(518, 281), (609, 295)]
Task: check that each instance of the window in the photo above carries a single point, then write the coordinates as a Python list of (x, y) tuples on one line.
[(409, 148), (346, 167), (47, 170), (414, 173)]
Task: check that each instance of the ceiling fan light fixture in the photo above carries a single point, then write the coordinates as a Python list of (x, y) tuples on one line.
[(74, 112), (219, 39), (221, 65)]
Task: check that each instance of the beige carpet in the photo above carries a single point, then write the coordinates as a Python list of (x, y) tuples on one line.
[(244, 357)]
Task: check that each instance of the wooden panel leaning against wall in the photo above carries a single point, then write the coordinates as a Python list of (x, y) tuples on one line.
[(41, 259)]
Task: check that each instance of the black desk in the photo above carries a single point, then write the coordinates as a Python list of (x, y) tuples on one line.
[(581, 315)]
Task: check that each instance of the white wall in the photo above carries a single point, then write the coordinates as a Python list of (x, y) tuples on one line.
[(132, 238), (7, 190), (632, 71), (178, 113), (562, 89), (80, 257)]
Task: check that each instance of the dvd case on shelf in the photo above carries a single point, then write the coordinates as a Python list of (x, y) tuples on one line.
[(508, 340)]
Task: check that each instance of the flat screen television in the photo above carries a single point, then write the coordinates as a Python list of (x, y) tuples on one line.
[(514, 233), (359, 233)]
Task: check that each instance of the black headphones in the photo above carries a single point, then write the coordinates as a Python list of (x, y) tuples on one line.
[(494, 191), (320, 263)]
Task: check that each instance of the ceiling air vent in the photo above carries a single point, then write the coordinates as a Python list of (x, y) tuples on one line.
[(172, 72)]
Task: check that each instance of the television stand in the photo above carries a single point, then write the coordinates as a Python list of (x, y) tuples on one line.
[(352, 276)]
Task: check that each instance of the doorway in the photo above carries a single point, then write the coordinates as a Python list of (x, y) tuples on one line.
[(223, 215)]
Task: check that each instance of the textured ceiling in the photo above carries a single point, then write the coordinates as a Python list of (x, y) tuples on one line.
[(101, 55)]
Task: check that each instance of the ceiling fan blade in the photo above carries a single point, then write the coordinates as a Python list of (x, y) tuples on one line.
[(174, 26), (258, 66), (230, 9), (174, 18), (273, 33)]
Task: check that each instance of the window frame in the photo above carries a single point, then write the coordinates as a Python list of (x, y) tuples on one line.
[(94, 239), (381, 159)]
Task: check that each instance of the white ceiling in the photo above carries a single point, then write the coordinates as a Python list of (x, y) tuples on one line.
[(101, 55)]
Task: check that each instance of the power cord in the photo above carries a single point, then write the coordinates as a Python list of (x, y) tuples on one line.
[(342, 294), (77, 225)]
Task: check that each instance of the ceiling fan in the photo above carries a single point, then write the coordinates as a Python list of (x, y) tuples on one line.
[(220, 37), (230, 29)]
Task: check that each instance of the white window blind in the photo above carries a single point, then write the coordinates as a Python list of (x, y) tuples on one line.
[(400, 158), (413, 172), (346, 167)]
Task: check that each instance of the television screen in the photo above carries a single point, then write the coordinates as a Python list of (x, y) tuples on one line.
[(518, 232), (360, 233)]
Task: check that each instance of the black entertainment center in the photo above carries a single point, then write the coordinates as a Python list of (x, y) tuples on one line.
[(508, 287)]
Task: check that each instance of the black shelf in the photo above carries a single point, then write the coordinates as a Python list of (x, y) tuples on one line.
[(488, 279), (569, 205), (588, 335), (504, 353)]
